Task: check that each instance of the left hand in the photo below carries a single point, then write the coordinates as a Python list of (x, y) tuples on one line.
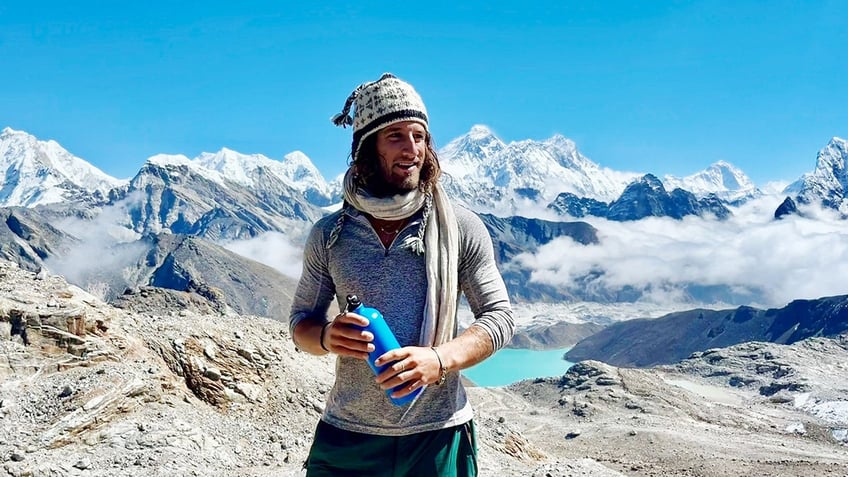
[(412, 367)]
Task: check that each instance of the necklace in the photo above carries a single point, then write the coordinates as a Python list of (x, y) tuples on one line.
[(391, 230)]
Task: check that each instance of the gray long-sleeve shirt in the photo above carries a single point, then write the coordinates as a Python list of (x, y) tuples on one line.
[(393, 280)]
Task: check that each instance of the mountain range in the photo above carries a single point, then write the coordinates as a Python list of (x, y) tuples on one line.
[(181, 375), (482, 171), (228, 196)]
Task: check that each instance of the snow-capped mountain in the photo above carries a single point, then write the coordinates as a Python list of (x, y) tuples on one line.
[(466, 155), (721, 178), (493, 176), (295, 170), (43, 172), (647, 197), (227, 195), (221, 202), (828, 183)]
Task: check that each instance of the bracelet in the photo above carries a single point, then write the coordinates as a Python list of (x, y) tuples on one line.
[(321, 338), (443, 373)]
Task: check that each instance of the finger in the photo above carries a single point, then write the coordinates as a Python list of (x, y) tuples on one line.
[(351, 333), (352, 318), (396, 370), (398, 379), (352, 352), (354, 344), (406, 390), (393, 355)]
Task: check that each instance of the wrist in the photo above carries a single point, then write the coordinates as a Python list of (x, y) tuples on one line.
[(321, 336), (443, 371)]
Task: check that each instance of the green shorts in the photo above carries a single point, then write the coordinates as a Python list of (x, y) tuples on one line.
[(450, 452)]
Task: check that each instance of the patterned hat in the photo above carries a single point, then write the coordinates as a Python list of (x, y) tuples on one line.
[(380, 103)]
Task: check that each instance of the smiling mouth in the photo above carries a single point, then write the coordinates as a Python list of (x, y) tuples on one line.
[(407, 166)]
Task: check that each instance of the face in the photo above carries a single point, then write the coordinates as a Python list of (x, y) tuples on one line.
[(401, 148)]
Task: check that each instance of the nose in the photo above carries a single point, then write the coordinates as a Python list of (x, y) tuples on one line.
[(410, 147)]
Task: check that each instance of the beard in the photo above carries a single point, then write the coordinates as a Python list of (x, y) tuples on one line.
[(386, 184)]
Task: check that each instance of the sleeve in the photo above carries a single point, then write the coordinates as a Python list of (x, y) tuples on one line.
[(482, 283), (315, 290)]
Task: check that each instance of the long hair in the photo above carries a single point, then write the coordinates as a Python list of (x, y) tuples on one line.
[(366, 167)]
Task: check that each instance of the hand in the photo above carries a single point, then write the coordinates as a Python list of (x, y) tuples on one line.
[(342, 338), (412, 367)]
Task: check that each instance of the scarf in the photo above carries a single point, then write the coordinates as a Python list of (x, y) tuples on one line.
[(437, 240)]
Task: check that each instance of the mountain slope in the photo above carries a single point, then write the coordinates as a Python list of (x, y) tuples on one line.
[(647, 197), (828, 183), (671, 338), (172, 193), (493, 176), (27, 239), (183, 263), (187, 263), (295, 171), (42, 172), (721, 179)]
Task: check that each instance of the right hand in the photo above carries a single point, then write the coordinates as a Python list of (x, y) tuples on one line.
[(342, 338)]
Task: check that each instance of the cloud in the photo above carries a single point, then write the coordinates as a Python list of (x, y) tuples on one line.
[(761, 261), (273, 249), (104, 254)]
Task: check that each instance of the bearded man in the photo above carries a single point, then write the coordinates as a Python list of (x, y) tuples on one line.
[(406, 250)]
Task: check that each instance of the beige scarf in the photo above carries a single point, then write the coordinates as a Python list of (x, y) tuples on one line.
[(437, 239)]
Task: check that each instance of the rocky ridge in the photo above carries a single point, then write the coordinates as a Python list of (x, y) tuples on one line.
[(170, 383), (753, 409), (173, 383)]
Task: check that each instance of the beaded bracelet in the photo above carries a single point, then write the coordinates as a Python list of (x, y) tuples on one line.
[(443, 373)]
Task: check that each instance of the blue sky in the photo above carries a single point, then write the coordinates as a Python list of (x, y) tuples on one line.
[(662, 87)]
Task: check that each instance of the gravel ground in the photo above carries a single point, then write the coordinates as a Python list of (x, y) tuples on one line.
[(166, 385)]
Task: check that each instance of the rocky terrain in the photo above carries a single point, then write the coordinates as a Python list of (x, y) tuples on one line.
[(673, 337), (173, 383)]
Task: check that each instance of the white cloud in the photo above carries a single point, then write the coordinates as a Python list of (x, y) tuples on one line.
[(771, 262), (105, 251), (273, 249)]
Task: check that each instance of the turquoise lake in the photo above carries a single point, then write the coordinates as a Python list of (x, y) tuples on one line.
[(510, 365)]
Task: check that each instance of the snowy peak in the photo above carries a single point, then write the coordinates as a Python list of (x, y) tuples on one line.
[(832, 159), (299, 167), (233, 165), (479, 131), (721, 178), (493, 176), (648, 197), (475, 146), (43, 172), (227, 166), (828, 183)]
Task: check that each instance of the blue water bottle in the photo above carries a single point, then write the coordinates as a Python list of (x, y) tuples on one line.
[(384, 341)]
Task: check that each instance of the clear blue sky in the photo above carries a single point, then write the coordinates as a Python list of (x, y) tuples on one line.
[(662, 87)]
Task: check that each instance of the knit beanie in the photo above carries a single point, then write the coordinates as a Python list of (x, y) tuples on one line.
[(380, 103)]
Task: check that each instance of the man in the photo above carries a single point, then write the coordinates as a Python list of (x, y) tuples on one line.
[(402, 248)]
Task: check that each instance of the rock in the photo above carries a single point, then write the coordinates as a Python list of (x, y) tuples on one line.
[(66, 391), (144, 399)]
